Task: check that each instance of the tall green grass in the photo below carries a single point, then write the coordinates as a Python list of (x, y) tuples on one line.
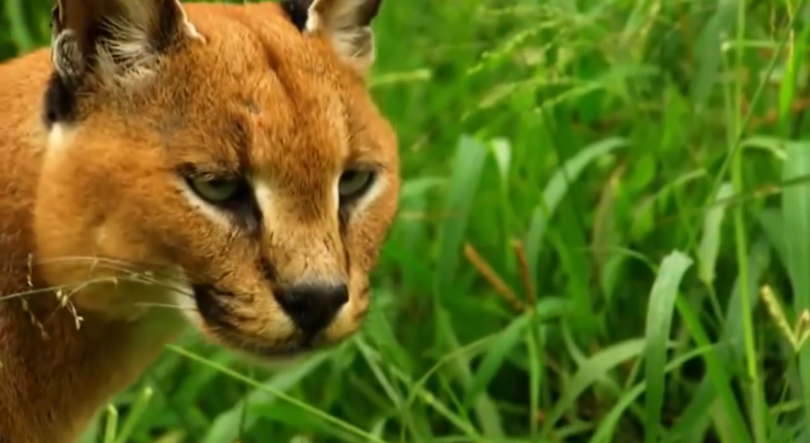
[(603, 236)]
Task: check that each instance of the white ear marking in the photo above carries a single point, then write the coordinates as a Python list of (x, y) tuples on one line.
[(189, 27), (130, 49), (335, 15), (346, 23), (192, 32)]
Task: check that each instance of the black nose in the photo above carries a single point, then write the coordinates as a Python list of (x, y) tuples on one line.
[(312, 307)]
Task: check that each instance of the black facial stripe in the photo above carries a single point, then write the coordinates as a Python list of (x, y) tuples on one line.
[(207, 303), (267, 269), (347, 258), (343, 221), (205, 288), (212, 309), (247, 213)]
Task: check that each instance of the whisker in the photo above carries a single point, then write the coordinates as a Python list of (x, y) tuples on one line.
[(167, 305), (111, 264), (49, 289), (99, 259), (139, 276), (74, 287), (169, 270)]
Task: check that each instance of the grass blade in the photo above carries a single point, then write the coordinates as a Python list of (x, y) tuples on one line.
[(111, 425), (659, 319), (608, 423), (555, 190), (709, 46), (226, 427), (466, 173), (710, 241), (796, 219), (485, 408), (134, 415), (467, 168), (592, 370), (718, 380), (19, 31), (494, 358)]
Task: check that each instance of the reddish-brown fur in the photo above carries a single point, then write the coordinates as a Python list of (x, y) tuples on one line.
[(98, 201)]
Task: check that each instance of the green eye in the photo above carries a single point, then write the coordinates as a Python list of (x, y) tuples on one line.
[(353, 184), (215, 190)]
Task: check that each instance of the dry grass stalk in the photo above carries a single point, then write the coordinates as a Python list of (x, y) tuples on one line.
[(523, 267), (489, 274)]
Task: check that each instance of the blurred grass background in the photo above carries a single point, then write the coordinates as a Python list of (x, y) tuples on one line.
[(604, 236)]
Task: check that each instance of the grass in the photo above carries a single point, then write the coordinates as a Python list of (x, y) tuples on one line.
[(603, 236)]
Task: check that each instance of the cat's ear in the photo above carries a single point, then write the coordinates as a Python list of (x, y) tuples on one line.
[(117, 40), (347, 23)]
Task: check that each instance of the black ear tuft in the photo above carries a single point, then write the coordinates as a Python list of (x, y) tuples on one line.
[(297, 11)]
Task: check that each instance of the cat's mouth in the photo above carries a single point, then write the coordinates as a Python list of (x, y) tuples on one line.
[(239, 332)]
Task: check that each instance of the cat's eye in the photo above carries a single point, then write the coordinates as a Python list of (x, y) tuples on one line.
[(353, 184), (215, 190)]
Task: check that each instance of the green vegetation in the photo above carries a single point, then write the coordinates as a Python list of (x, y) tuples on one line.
[(604, 209)]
